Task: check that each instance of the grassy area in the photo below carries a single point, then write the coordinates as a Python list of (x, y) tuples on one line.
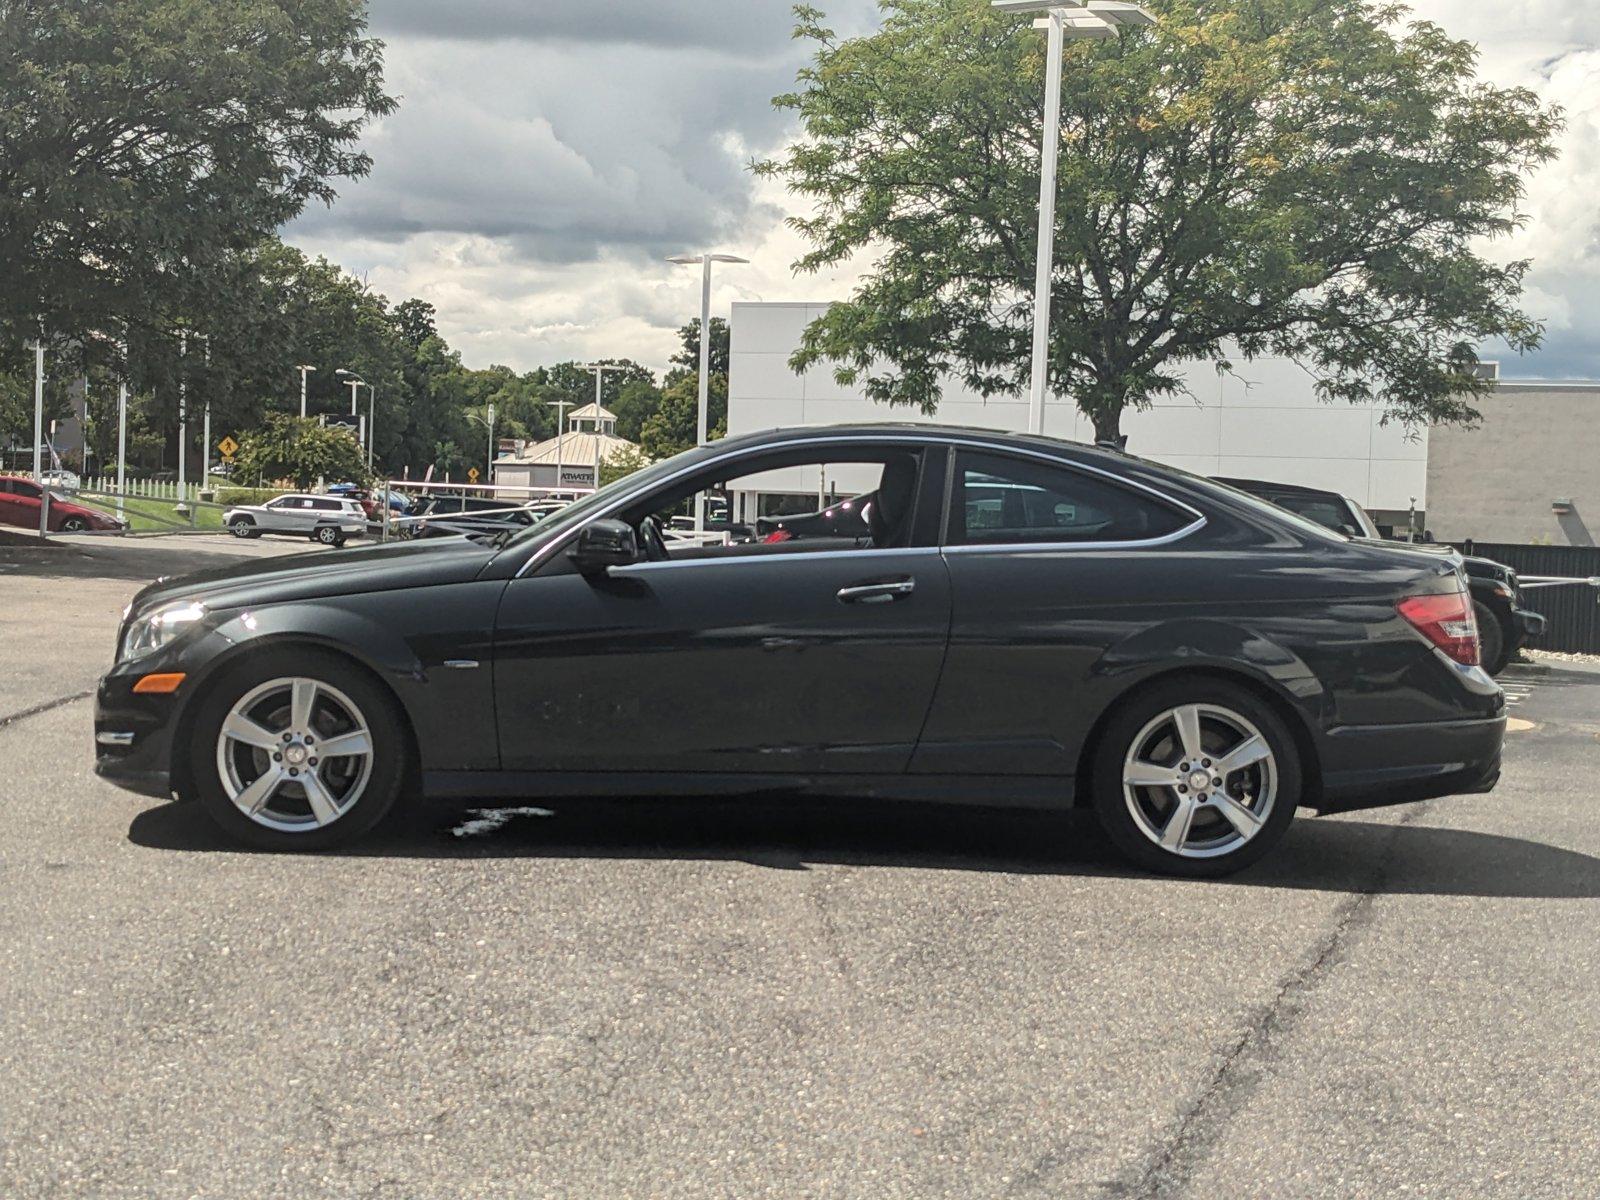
[(154, 516)]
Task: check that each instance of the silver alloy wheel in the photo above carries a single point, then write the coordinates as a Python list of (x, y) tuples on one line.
[(294, 754), (1200, 780)]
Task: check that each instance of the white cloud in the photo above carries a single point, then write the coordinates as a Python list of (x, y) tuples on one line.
[(547, 156)]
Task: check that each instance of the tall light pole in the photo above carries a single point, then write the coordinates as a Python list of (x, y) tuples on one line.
[(38, 405), (600, 370), (560, 406), (702, 432), (304, 371), (355, 382), (205, 424), (183, 414), (1099, 20)]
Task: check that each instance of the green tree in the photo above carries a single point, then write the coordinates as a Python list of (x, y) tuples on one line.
[(1311, 178), (622, 464), (689, 356), (143, 141), (674, 427), (286, 447)]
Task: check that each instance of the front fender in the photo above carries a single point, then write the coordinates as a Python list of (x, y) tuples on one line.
[(404, 638)]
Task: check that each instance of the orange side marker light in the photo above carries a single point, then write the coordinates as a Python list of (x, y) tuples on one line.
[(159, 685)]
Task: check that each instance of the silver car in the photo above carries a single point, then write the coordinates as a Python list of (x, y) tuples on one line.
[(326, 519)]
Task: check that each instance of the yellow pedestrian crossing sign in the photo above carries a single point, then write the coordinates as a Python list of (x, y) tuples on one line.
[(472, 475), (228, 446)]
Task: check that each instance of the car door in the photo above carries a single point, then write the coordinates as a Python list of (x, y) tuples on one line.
[(24, 502), (1050, 564), (10, 513), (769, 659)]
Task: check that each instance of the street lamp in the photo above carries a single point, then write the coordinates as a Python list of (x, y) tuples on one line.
[(183, 408), (487, 421), (1099, 20), (701, 430), (561, 433), (304, 371), (600, 370), (372, 406)]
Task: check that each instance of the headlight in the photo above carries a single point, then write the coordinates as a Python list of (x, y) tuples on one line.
[(149, 634)]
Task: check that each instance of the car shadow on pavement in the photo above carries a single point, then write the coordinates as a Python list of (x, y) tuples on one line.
[(1340, 854)]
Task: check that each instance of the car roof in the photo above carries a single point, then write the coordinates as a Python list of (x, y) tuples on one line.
[(1288, 489)]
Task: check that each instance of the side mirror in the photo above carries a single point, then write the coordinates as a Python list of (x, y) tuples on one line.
[(603, 544)]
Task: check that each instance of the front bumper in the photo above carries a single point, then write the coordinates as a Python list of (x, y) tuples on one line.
[(1527, 626), (1370, 766), (133, 736)]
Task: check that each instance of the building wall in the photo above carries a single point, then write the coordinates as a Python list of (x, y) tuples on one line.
[(1264, 422), (1538, 443)]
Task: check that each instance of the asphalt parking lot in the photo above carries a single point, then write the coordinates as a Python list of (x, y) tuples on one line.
[(775, 999)]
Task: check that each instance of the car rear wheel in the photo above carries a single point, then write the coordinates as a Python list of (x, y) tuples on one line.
[(1491, 639), (243, 527), (1196, 778), (298, 752), (329, 536)]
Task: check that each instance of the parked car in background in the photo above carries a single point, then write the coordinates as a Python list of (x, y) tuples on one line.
[(20, 499), (370, 503), (1504, 626), (61, 480), (1190, 663), (326, 519), (446, 514)]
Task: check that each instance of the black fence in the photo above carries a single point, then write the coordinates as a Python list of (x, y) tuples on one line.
[(1572, 610)]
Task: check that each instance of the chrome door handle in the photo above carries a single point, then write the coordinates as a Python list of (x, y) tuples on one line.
[(877, 593)]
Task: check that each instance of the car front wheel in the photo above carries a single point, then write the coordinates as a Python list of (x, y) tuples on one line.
[(1196, 778), (243, 527), (298, 751), (74, 525)]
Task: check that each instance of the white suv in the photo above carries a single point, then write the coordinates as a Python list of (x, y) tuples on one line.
[(326, 519)]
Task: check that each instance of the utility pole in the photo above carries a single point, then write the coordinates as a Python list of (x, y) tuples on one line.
[(304, 371)]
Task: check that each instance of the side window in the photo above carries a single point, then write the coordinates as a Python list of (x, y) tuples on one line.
[(998, 500), (327, 505), (29, 491)]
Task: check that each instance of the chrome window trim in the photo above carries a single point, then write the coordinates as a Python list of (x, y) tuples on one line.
[(1076, 547), (791, 556), (548, 550)]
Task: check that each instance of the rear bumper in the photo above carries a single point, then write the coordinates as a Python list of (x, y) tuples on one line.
[(1369, 766)]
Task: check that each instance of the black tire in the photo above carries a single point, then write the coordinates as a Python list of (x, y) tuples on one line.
[(1132, 717), (243, 527), (74, 525), (328, 536), (1492, 640), (390, 754)]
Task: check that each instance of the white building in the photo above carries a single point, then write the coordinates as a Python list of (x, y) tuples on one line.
[(571, 459), (1264, 421)]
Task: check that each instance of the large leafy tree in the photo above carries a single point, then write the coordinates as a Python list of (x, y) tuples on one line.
[(1312, 178), (144, 141), (286, 447)]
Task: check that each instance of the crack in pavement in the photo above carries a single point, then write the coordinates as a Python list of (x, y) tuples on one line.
[(44, 708), (1247, 1060)]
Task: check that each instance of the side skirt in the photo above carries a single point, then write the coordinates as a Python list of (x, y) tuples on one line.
[(999, 791)]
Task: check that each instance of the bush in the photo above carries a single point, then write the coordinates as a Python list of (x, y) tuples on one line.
[(233, 496)]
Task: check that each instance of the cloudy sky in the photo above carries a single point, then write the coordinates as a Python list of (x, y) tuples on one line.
[(548, 154)]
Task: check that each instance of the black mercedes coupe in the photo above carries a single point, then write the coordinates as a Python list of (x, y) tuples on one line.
[(1013, 621)]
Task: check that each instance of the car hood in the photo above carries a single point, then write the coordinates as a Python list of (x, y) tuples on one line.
[(323, 573)]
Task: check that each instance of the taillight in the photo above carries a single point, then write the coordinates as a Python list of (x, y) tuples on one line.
[(1446, 620)]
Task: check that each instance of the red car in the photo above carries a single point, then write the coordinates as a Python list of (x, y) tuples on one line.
[(19, 505)]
